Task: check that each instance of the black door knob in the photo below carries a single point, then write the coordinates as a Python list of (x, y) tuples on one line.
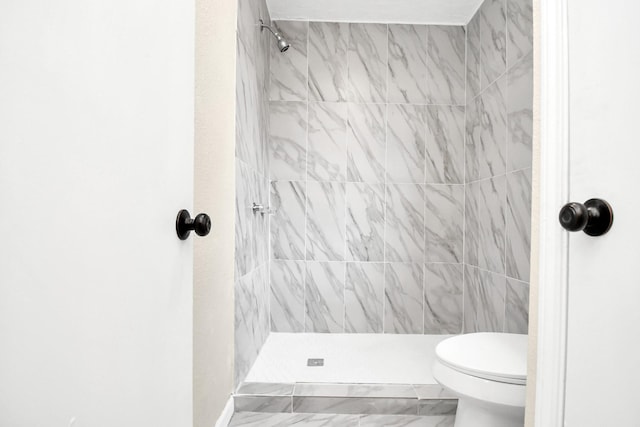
[(201, 224), (595, 217)]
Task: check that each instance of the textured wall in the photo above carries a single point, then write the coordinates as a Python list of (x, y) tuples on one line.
[(252, 183), (498, 166), (367, 178)]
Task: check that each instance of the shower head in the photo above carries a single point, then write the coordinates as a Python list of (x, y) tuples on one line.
[(283, 46)]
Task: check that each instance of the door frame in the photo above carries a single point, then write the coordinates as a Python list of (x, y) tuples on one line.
[(552, 69)]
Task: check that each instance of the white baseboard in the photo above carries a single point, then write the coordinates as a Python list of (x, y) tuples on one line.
[(227, 413)]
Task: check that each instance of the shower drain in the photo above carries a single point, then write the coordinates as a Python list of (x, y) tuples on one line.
[(315, 362)]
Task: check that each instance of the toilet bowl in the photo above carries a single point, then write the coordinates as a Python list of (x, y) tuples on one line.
[(488, 374)]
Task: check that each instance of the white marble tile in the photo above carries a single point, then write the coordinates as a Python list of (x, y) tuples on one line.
[(403, 291), (326, 220), (328, 42), (444, 220), (264, 404), (404, 223), (519, 30), (289, 69), (444, 152), (446, 65), (367, 59), (355, 405), (406, 131), (366, 143), (265, 389), (258, 419), (365, 222), (517, 307), (437, 407), (491, 195), (288, 140), (518, 227), (486, 143), (473, 57), (327, 152), (244, 241), (493, 39), (407, 421), (324, 297), (407, 64), (443, 298), (363, 297), (355, 390), (287, 296), (484, 301), (520, 114), (249, 103), (287, 229)]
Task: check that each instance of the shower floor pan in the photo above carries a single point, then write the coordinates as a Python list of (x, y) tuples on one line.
[(358, 374)]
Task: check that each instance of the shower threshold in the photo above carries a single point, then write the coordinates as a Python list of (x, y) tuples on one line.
[(360, 374)]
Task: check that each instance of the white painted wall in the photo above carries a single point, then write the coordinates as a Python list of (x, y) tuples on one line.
[(433, 12), (96, 154)]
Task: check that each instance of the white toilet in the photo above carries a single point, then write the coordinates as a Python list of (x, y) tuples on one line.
[(488, 374)]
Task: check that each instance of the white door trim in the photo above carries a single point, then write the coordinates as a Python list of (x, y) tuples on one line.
[(554, 192)]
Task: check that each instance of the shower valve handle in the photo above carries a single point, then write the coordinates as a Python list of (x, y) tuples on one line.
[(201, 224), (595, 217)]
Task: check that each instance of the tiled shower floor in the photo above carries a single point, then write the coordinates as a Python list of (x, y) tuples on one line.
[(348, 358)]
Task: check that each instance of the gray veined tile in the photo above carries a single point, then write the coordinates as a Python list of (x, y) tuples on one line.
[(355, 390), (407, 64), (493, 40), (471, 237), (432, 391), (250, 107), (519, 30), (517, 307), (446, 65), (326, 202), (249, 333), (486, 143), (266, 389), (520, 114), (491, 196), (354, 405), (407, 421), (437, 407), (328, 42), (443, 284), (257, 419), (403, 290), (473, 57), (327, 146), (287, 296), (260, 195), (444, 217), (324, 297), (363, 297), (366, 143), (266, 404), (288, 140), (484, 301), (518, 229), (367, 59), (244, 241), (365, 222), (287, 228), (405, 143), (404, 227), (289, 69), (444, 152)]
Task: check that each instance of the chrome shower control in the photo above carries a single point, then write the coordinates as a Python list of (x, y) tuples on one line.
[(595, 217)]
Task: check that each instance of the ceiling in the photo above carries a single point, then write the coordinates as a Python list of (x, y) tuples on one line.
[(434, 12)]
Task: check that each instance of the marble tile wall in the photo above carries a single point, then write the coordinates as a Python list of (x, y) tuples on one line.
[(252, 291), (498, 144), (366, 163)]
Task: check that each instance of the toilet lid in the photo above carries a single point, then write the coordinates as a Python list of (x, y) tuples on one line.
[(493, 356)]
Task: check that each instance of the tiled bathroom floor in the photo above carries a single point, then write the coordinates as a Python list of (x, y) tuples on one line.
[(253, 419), (348, 358)]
